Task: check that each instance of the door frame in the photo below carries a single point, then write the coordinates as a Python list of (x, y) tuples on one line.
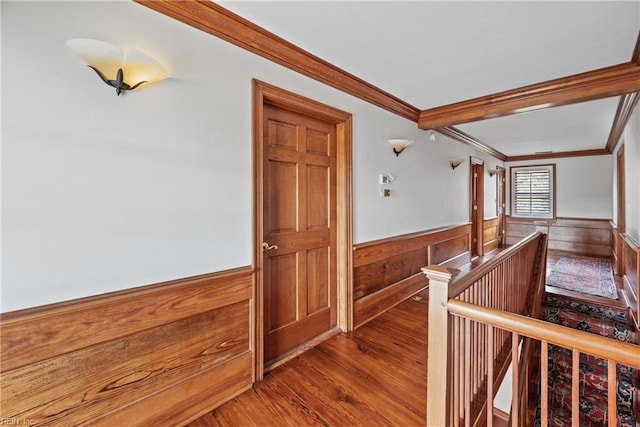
[(476, 216), (501, 195), (265, 93), (621, 209)]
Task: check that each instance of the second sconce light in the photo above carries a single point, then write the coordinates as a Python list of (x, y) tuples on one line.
[(399, 145)]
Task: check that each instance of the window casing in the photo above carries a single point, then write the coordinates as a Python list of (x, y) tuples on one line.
[(533, 191)]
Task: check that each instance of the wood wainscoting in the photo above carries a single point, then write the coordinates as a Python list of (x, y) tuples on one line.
[(585, 236), (630, 267), (490, 234), (617, 250), (156, 355), (388, 271)]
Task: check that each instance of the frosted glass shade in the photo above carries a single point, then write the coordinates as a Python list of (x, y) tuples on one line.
[(108, 59)]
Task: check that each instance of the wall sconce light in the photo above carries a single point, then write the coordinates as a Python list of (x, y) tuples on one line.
[(399, 145), (493, 172), (113, 64), (455, 163)]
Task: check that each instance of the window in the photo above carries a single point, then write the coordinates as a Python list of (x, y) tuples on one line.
[(532, 191)]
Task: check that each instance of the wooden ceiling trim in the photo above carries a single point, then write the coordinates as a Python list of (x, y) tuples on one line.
[(596, 84), (458, 135), (220, 22), (543, 156), (635, 57), (626, 106)]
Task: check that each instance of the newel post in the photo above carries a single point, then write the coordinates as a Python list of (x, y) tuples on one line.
[(438, 345)]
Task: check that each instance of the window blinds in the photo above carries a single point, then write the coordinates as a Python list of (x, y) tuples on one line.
[(532, 193)]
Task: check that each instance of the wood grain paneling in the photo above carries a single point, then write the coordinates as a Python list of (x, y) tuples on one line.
[(616, 255), (490, 234), (631, 261), (579, 235), (158, 354), (388, 271), (446, 250)]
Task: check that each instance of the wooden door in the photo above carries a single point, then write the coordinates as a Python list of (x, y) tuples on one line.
[(299, 230), (501, 206), (477, 207)]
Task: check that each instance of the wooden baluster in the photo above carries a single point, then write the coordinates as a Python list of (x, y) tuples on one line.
[(490, 355), (457, 366), (575, 388), (515, 404), (467, 372), (437, 344), (611, 392), (544, 383)]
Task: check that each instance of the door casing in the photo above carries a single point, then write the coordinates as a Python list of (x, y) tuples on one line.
[(476, 206), (264, 93)]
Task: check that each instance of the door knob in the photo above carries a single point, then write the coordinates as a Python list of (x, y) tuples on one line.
[(267, 247)]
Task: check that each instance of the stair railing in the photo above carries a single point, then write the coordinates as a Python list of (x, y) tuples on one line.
[(579, 342), (467, 360)]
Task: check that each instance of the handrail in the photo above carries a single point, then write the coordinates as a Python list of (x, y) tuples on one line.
[(466, 359), (605, 348), (461, 283)]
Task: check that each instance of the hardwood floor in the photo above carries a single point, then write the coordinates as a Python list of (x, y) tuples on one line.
[(374, 377)]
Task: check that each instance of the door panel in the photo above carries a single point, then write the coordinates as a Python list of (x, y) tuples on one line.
[(317, 275), (299, 221)]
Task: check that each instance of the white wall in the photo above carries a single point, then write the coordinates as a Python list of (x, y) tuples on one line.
[(583, 185), (101, 193)]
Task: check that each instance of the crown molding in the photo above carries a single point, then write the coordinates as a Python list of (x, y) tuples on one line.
[(620, 79), (542, 156), (458, 135), (635, 57), (625, 108), (220, 22)]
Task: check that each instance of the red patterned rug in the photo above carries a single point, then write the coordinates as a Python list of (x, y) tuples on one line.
[(591, 276)]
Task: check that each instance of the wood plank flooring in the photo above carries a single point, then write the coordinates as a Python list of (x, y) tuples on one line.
[(375, 376)]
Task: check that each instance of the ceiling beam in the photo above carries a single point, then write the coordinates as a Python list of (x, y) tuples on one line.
[(460, 136), (602, 83), (222, 23)]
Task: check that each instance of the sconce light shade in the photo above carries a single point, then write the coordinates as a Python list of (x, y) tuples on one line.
[(493, 172), (455, 163), (113, 65), (399, 145)]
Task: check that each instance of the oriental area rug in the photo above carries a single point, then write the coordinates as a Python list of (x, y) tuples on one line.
[(591, 276)]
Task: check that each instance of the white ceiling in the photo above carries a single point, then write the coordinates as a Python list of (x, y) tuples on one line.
[(431, 53)]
